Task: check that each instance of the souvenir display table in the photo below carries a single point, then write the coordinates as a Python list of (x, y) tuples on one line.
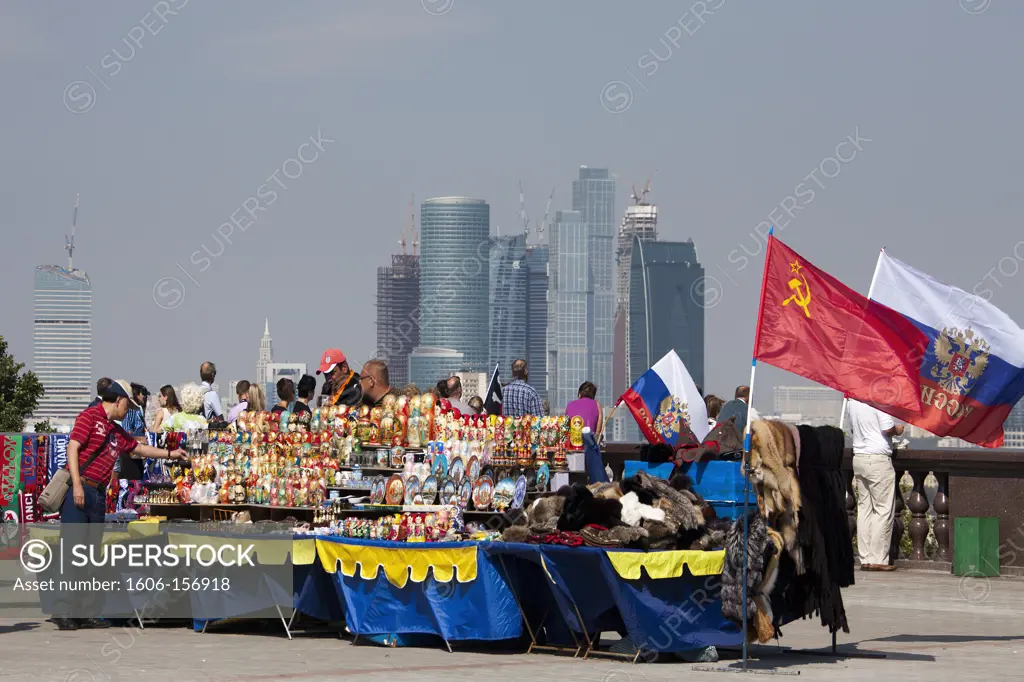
[(561, 596)]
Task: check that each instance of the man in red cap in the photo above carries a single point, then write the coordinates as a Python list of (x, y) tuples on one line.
[(344, 382)]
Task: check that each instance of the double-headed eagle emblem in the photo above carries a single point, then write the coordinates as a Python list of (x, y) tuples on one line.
[(671, 413), (961, 357)]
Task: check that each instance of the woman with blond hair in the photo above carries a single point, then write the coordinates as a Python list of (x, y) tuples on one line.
[(257, 398)]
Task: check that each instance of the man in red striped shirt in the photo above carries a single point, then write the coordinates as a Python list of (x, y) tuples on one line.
[(96, 443)]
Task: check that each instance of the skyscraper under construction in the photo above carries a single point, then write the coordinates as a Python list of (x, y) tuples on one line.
[(398, 326)]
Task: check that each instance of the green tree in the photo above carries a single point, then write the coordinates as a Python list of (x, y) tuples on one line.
[(19, 393)]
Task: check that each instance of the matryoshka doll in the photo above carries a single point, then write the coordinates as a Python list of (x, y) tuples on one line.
[(576, 433), (387, 427)]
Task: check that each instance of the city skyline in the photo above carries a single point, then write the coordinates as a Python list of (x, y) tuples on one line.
[(734, 116)]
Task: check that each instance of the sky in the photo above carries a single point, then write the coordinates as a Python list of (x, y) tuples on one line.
[(166, 117)]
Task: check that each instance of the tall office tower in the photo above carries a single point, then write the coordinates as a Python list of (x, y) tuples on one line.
[(508, 302), (281, 370), (1013, 428), (640, 221), (455, 234), (593, 196), (62, 341), (266, 355), (664, 311), (398, 324), (570, 309), (537, 317)]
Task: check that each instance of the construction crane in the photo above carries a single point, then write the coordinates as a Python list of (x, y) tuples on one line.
[(69, 242), (640, 198), (522, 211), (547, 211), (407, 232), (413, 234)]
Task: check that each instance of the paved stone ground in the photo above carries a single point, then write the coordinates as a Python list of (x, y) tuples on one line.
[(929, 626)]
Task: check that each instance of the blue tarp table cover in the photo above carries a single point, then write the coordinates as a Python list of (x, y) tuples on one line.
[(674, 614), (483, 609)]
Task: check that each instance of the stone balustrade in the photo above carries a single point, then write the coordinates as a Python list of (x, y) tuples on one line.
[(972, 482)]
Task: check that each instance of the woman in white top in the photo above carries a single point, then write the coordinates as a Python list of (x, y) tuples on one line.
[(169, 406)]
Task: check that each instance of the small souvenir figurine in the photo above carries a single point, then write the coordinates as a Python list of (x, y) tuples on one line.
[(413, 437), (576, 432), (387, 428)]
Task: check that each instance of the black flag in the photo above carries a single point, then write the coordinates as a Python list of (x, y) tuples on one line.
[(492, 403)]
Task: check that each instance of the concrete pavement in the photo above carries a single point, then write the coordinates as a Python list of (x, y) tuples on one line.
[(929, 626)]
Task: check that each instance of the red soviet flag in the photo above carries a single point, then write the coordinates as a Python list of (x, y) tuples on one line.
[(813, 325)]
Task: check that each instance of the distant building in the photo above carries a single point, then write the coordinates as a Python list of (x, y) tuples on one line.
[(537, 317), (639, 222), (508, 301), (454, 284), (570, 309), (398, 314), (281, 370), (427, 365), (62, 341), (266, 355), (664, 312), (818, 405), (593, 196), (473, 383)]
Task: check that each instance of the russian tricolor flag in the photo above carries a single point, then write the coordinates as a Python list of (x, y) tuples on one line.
[(972, 373), (664, 400)]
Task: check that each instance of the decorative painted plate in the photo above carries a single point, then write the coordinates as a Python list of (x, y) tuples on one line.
[(440, 468), (412, 490), (457, 470), (448, 491), (519, 493), (377, 490), (503, 493), (395, 491), (543, 476), (473, 468), (465, 492), (429, 489), (487, 471), (483, 490)]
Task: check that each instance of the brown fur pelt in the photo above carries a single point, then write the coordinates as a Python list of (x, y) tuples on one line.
[(606, 491), (541, 517), (773, 469)]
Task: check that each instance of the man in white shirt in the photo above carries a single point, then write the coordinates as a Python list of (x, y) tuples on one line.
[(875, 479), (455, 396), (211, 401)]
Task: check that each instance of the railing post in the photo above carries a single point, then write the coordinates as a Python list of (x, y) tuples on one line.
[(918, 504), (897, 521), (851, 504), (941, 528)]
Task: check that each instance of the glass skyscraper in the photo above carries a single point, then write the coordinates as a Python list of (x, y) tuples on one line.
[(664, 313), (593, 196), (570, 309), (62, 341), (508, 302), (537, 317), (455, 234)]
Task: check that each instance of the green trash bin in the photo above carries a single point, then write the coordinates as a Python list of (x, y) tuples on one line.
[(976, 546)]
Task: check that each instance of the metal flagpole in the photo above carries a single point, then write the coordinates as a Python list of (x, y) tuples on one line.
[(746, 503), (871, 290)]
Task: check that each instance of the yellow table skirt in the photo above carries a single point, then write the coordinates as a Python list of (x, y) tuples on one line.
[(399, 563), (666, 564)]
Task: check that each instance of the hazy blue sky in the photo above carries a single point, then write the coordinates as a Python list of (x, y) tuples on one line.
[(446, 97)]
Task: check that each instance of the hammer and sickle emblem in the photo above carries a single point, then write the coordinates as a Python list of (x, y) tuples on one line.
[(802, 291)]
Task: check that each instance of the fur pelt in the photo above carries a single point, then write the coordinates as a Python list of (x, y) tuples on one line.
[(714, 535), (581, 508), (633, 485), (620, 536), (682, 509), (633, 512), (732, 571), (773, 468), (607, 491)]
